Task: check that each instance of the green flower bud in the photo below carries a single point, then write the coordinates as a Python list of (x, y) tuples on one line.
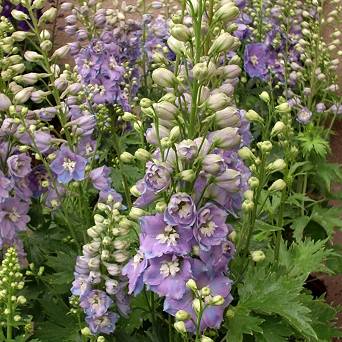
[(253, 116), (196, 304), (187, 175), (246, 154), (232, 236), (142, 155), (48, 16), (222, 43), (277, 165), (126, 157), (164, 78), (265, 97), (136, 213), (217, 300), (176, 46), (205, 291), (46, 45), (161, 206), (227, 12), (265, 146), (278, 185), (247, 205), (230, 314), (279, 127), (206, 339), (181, 32), (134, 191), (33, 56), (283, 108), (253, 182), (19, 15), (86, 331), (61, 52), (174, 134), (258, 256), (145, 102), (38, 4), (200, 71), (191, 284), (182, 315), (180, 327), (128, 117)]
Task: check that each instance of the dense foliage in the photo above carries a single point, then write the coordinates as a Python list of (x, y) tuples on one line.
[(165, 176)]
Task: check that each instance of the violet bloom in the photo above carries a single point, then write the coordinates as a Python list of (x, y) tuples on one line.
[(134, 271), (104, 324), (256, 60), (5, 186), (304, 116), (13, 217), (68, 166), (181, 210), (19, 165), (168, 275), (80, 286), (95, 303), (157, 176), (160, 238), (109, 196), (100, 178), (211, 228), (36, 178)]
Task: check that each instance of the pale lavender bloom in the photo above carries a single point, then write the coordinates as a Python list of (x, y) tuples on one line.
[(134, 271), (13, 217), (304, 116), (100, 178), (336, 109), (95, 303), (158, 237), (181, 210), (68, 166), (80, 286), (157, 176), (110, 193), (42, 141), (147, 195), (104, 324), (6, 186), (19, 165), (187, 149), (320, 107), (211, 229), (168, 275)]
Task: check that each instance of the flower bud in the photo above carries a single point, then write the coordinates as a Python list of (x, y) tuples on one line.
[(191, 284), (5, 102), (248, 194), (48, 16), (38, 4), (226, 138), (86, 332), (196, 304), (180, 327), (46, 45), (279, 127), (258, 256), (265, 97), (176, 46), (227, 117), (206, 339), (134, 191), (126, 157), (128, 117), (253, 116), (277, 165), (265, 146), (23, 95), (246, 154), (164, 78), (145, 102), (232, 236), (165, 110), (205, 291), (283, 108), (247, 205), (182, 315), (19, 15), (230, 314), (174, 134), (136, 213), (200, 71), (217, 300), (21, 300), (61, 52), (227, 12), (142, 155), (222, 43), (253, 182), (217, 101), (19, 36), (181, 32), (213, 164), (187, 175), (278, 185), (33, 56)]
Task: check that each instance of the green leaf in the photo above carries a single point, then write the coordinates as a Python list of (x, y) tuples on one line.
[(298, 226), (328, 218), (268, 293), (274, 330), (326, 173), (264, 230), (313, 144), (242, 323)]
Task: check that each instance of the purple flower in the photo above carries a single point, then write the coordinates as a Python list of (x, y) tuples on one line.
[(304, 116), (68, 166), (134, 271), (256, 60), (80, 286), (19, 165), (211, 229), (181, 210), (168, 275), (104, 324), (157, 176), (5, 186), (95, 303), (111, 194), (100, 178), (35, 180), (160, 238), (13, 217)]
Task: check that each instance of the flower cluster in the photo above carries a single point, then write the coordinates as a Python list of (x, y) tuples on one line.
[(194, 178), (98, 283)]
